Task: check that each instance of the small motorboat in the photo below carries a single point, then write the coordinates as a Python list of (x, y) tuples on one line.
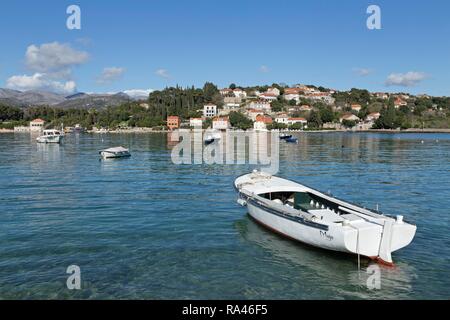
[(291, 140), (321, 220), (78, 129), (50, 136), (116, 152), (211, 138), (285, 136)]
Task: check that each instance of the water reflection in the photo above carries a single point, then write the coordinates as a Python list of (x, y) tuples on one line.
[(330, 270)]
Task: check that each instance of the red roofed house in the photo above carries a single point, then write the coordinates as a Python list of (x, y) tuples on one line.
[(239, 93), (196, 122), (399, 102), (225, 91), (268, 96), (221, 123), (349, 117), (356, 107), (37, 125), (261, 122), (274, 91), (292, 91), (253, 113), (173, 122)]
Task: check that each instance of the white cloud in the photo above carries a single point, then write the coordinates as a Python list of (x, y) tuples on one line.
[(110, 75), (51, 64), (53, 57), (264, 69), (40, 81), (408, 79), (138, 93), (362, 72), (163, 73)]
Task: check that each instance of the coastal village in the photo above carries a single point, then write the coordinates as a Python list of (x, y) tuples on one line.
[(281, 107)]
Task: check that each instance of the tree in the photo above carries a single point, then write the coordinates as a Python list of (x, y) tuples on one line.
[(209, 91), (314, 120), (348, 123), (277, 106), (277, 125), (232, 86), (326, 114), (388, 119), (296, 126), (10, 113), (239, 121)]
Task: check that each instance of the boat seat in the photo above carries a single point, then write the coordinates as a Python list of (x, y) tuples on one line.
[(327, 215)]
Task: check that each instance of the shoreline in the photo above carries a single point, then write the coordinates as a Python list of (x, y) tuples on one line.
[(148, 130)]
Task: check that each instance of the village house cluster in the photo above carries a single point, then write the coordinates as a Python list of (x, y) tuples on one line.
[(258, 107)]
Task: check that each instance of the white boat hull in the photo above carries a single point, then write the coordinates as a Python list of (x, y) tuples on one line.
[(372, 236), (49, 139), (109, 155)]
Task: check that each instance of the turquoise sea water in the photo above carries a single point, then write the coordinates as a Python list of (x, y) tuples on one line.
[(146, 228)]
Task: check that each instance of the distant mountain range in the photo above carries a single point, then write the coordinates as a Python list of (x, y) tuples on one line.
[(25, 99)]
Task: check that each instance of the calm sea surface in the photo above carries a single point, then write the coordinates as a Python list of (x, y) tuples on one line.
[(146, 228)]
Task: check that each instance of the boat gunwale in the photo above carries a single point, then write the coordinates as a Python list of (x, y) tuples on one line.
[(253, 199), (379, 212)]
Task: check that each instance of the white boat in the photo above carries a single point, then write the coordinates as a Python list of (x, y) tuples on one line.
[(310, 216), (213, 137), (117, 152), (50, 136)]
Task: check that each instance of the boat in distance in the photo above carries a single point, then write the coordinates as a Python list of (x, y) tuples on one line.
[(116, 152), (291, 140), (284, 136), (321, 220), (50, 136), (211, 138)]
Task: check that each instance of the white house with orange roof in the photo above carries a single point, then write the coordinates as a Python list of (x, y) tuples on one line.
[(239, 93), (349, 117), (37, 125), (274, 91), (268, 96), (196, 122), (253, 113), (356, 107), (292, 96), (399, 103), (226, 91), (261, 122), (221, 123)]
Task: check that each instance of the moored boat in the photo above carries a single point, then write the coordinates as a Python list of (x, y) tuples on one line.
[(284, 136), (310, 216), (291, 140), (116, 152), (211, 138), (50, 136)]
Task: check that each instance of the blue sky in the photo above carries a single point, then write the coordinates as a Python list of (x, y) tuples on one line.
[(154, 44)]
